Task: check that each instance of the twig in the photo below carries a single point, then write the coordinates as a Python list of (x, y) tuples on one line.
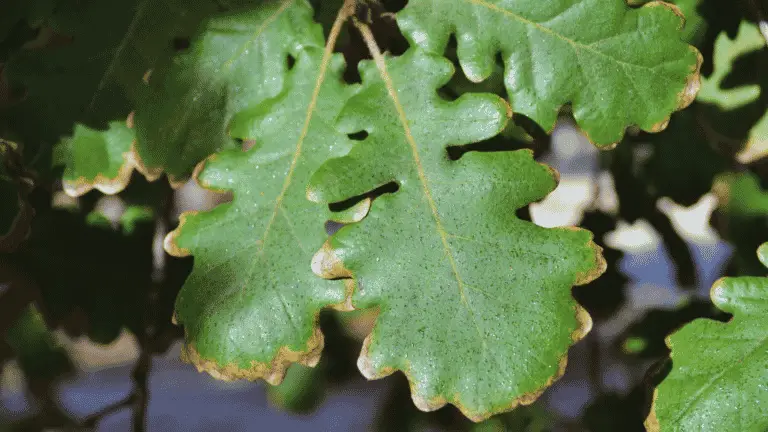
[(147, 338), (93, 419)]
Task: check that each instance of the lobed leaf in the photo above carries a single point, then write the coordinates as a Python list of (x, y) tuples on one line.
[(251, 305), (617, 66), (96, 159), (475, 304), (236, 61), (719, 370)]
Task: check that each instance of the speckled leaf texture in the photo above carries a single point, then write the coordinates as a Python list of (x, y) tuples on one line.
[(96, 159), (475, 304), (236, 61), (719, 377), (616, 65), (251, 305)]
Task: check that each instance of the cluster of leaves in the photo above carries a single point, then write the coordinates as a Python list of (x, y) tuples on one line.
[(421, 156)]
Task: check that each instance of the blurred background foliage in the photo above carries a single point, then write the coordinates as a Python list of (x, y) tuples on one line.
[(87, 291)]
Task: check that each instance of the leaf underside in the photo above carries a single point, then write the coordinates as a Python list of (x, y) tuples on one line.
[(617, 66), (475, 304), (251, 305), (719, 370)]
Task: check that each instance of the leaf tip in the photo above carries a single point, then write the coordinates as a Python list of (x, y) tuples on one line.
[(599, 264), (169, 242)]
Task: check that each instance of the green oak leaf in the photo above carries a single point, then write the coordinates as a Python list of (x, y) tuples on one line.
[(236, 61), (96, 159), (719, 370), (475, 304), (617, 66), (726, 51), (695, 24), (747, 99), (251, 305)]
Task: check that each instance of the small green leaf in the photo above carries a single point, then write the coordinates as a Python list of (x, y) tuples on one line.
[(740, 194), (251, 305), (719, 370), (236, 61), (726, 51), (475, 304), (135, 215), (617, 66), (96, 159)]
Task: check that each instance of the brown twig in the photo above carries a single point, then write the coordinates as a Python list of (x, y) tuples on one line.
[(92, 420), (147, 338)]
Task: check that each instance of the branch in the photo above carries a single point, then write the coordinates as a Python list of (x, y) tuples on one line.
[(92, 420)]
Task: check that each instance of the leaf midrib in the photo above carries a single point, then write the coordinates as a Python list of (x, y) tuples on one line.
[(322, 72), (575, 44), (179, 125), (424, 181)]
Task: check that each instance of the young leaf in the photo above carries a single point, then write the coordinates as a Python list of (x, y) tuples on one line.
[(236, 61), (251, 305), (475, 304), (617, 66), (719, 370), (96, 159)]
